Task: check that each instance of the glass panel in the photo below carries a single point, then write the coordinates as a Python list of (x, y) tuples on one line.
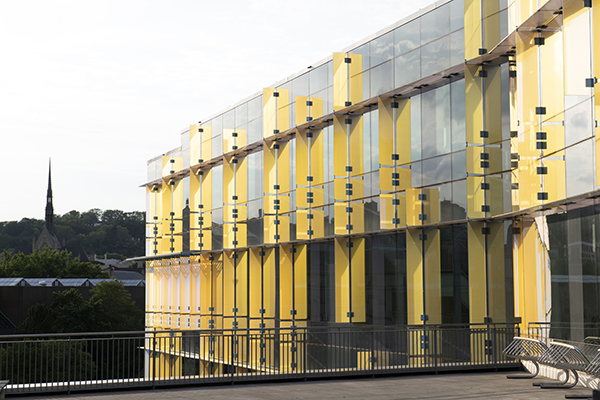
[(382, 49), (406, 37), (407, 68), (364, 51), (255, 209), (217, 127), (375, 140), (217, 146), (255, 131), (437, 170), (457, 15), (255, 232), (255, 108), (229, 120), (382, 79), (435, 24), (435, 56), (457, 48), (255, 175), (459, 165), (435, 119), (241, 115), (318, 79), (299, 87), (457, 104), (415, 174), (579, 160), (217, 187), (445, 198), (578, 119), (217, 217), (372, 216), (459, 198)]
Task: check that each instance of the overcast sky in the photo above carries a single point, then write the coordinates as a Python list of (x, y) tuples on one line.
[(103, 86)]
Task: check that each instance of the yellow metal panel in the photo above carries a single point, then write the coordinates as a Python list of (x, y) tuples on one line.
[(530, 277), (318, 223), (493, 104), (228, 283), (556, 137), (242, 284), (316, 110), (340, 81), (596, 61), (269, 112), (491, 24), (555, 180), (553, 77), (342, 280), (301, 281), (477, 275), (413, 207), (195, 144), (472, 28), (358, 280), (577, 57), (356, 146), (302, 167), (496, 272), (385, 178), (269, 170), (529, 183), (283, 111), (316, 153), (431, 205), (389, 211), (286, 290), (356, 78), (302, 224), (386, 132), (433, 278), (340, 144), (473, 102), (269, 283), (475, 197), (414, 277), (527, 76), (206, 143), (301, 110)]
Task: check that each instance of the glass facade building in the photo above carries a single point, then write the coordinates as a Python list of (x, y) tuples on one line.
[(442, 171)]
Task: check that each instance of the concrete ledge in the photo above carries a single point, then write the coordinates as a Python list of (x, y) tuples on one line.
[(3, 385)]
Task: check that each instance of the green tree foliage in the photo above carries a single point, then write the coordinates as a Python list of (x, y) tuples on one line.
[(109, 308), (98, 232), (47, 263)]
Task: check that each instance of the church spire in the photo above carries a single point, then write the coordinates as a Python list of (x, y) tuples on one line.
[(49, 206)]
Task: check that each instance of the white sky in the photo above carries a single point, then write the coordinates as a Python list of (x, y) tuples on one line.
[(103, 86)]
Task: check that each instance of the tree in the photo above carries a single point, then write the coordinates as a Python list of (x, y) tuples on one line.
[(47, 263), (116, 310)]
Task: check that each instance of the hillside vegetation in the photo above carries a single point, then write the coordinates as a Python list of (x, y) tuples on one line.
[(116, 233)]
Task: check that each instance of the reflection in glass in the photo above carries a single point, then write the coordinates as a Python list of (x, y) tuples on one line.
[(415, 174), (454, 274), (217, 127), (406, 37), (435, 56), (382, 49), (457, 48), (364, 51), (435, 24), (217, 187), (372, 217), (318, 79), (407, 68), (255, 232), (437, 170), (457, 104), (255, 175), (459, 198), (579, 162), (382, 79), (255, 108), (435, 119), (459, 165), (255, 209), (446, 205), (299, 87), (457, 15), (241, 115), (217, 146), (217, 217), (578, 119), (255, 132)]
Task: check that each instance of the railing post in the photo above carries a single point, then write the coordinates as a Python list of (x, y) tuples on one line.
[(495, 351), (435, 349), (69, 369), (304, 354), (372, 359), (154, 360)]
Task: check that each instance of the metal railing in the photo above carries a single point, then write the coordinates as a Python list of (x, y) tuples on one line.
[(92, 361)]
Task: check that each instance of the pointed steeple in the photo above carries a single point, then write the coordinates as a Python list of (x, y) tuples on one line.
[(49, 206)]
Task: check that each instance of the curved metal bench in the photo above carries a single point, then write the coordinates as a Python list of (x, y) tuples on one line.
[(526, 349), (566, 357)]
